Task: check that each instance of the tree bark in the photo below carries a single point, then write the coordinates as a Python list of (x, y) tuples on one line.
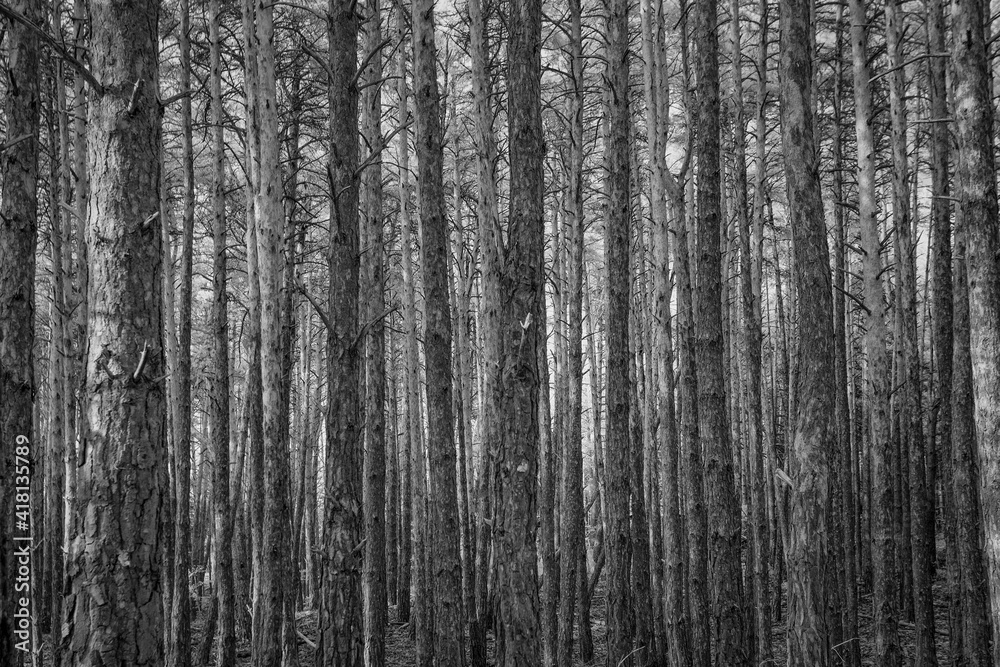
[(222, 542), (373, 574), (815, 429), (617, 181), (887, 650), (20, 455), (113, 607), (571, 525), (446, 582), (713, 423), (978, 193), (341, 632)]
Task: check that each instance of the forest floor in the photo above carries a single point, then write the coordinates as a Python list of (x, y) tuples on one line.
[(400, 649)]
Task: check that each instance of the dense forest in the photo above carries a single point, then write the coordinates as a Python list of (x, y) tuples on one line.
[(499, 332)]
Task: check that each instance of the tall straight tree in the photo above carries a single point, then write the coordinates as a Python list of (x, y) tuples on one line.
[(487, 212), (179, 649), (341, 632), (877, 367), (815, 430), (912, 419), (728, 610), (18, 233), (978, 193), (522, 332), (223, 535), (617, 541), (446, 583), (113, 603), (374, 484), (269, 616), (571, 524)]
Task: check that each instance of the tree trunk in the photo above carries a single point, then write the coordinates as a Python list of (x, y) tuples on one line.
[(617, 181), (113, 608), (341, 634), (446, 583), (373, 575), (815, 428), (270, 223), (20, 455), (179, 649), (521, 335), (975, 613), (887, 650), (571, 524), (223, 582), (713, 424), (978, 194)]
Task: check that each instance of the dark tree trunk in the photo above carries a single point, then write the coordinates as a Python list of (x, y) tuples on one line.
[(20, 455), (728, 610), (341, 633)]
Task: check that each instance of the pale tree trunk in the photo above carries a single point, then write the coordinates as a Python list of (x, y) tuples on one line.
[(887, 650), (19, 453), (341, 635), (973, 601), (249, 582), (270, 225), (489, 239), (179, 649), (373, 575), (618, 542), (815, 428), (571, 524), (713, 424), (411, 424), (978, 194), (222, 543), (446, 582), (114, 610)]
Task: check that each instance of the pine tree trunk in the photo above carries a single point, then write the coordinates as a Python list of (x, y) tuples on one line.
[(815, 428), (978, 193), (223, 582), (116, 614), (966, 471), (571, 524), (489, 239), (374, 474), (446, 582), (20, 454), (179, 649), (713, 424), (411, 423), (887, 650), (521, 335), (942, 338), (617, 181), (341, 634)]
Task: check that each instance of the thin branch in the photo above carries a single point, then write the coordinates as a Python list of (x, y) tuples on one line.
[(6, 10)]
